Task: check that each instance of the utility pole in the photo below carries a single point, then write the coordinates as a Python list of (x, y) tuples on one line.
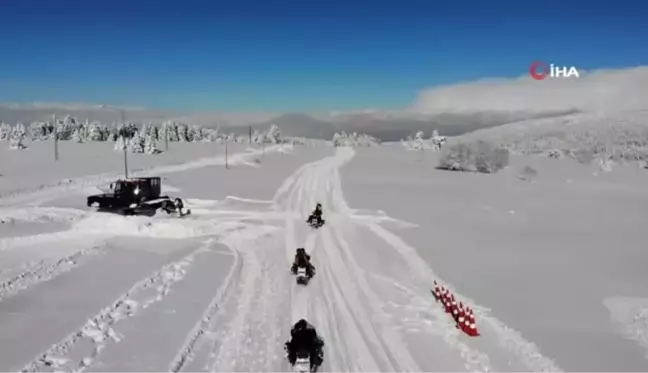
[(166, 136), (226, 160), (250, 134), (125, 147), (55, 132)]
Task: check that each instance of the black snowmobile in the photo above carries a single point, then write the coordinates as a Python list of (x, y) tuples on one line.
[(315, 219), (305, 348), (302, 267)]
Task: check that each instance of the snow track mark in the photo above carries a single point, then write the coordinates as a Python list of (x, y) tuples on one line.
[(204, 330), (43, 271), (72, 354)]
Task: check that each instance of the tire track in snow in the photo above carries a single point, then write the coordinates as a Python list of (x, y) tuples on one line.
[(381, 346), (359, 300), (262, 311), (71, 354), (239, 329), (40, 239), (201, 328), (204, 330), (43, 271), (41, 214)]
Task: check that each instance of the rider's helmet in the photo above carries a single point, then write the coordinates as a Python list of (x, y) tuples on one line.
[(301, 325), (319, 205)]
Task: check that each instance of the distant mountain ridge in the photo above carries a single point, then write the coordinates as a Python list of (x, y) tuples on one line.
[(385, 125)]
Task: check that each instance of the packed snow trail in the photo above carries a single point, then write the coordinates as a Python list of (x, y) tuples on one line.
[(369, 300)]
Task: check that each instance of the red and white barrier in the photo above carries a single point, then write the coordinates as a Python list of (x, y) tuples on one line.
[(463, 316)]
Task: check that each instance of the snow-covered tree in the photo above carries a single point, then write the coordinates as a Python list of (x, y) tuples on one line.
[(257, 137), (5, 131), (274, 135), (121, 144), (136, 143), (173, 132), (354, 139), (339, 138), (144, 130), (94, 132), (18, 134), (419, 142), (78, 135), (150, 145), (437, 141)]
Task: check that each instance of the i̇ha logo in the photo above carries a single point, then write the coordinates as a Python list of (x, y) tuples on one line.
[(540, 70)]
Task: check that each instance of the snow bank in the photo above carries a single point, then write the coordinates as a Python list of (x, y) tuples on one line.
[(632, 316)]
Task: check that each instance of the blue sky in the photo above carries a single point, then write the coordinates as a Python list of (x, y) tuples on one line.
[(263, 55)]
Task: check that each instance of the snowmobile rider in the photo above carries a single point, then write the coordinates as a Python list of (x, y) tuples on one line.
[(302, 259), (317, 214), (303, 336)]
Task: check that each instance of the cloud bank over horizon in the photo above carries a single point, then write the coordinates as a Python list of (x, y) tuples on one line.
[(597, 90)]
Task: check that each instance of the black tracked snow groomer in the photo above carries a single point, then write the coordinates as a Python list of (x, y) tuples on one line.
[(137, 196)]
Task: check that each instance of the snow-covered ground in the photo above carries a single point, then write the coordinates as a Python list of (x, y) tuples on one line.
[(554, 267), (560, 258)]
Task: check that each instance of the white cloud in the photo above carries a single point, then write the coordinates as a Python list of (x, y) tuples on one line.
[(599, 90)]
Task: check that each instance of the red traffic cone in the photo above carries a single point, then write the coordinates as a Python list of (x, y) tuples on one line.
[(454, 309), (461, 315), (448, 303), (436, 292), (472, 327)]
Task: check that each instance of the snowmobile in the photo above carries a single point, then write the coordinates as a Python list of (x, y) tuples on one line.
[(303, 363), (302, 277), (314, 223), (137, 196), (315, 219)]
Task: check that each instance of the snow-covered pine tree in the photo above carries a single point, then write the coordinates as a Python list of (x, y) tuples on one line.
[(65, 128), (5, 131), (155, 133), (437, 140), (77, 135), (40, 130), (120, 144), (137, 143), (183, 132), (419, 142), (18, 134), (150, 145), (274, 134), (173, 132), (257, 137), (144, 130), (94, 132)]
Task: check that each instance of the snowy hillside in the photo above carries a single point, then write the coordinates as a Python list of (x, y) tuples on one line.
[(552, 264), (617, 136)]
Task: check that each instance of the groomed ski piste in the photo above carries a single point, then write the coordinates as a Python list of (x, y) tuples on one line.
[(87, 291)]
